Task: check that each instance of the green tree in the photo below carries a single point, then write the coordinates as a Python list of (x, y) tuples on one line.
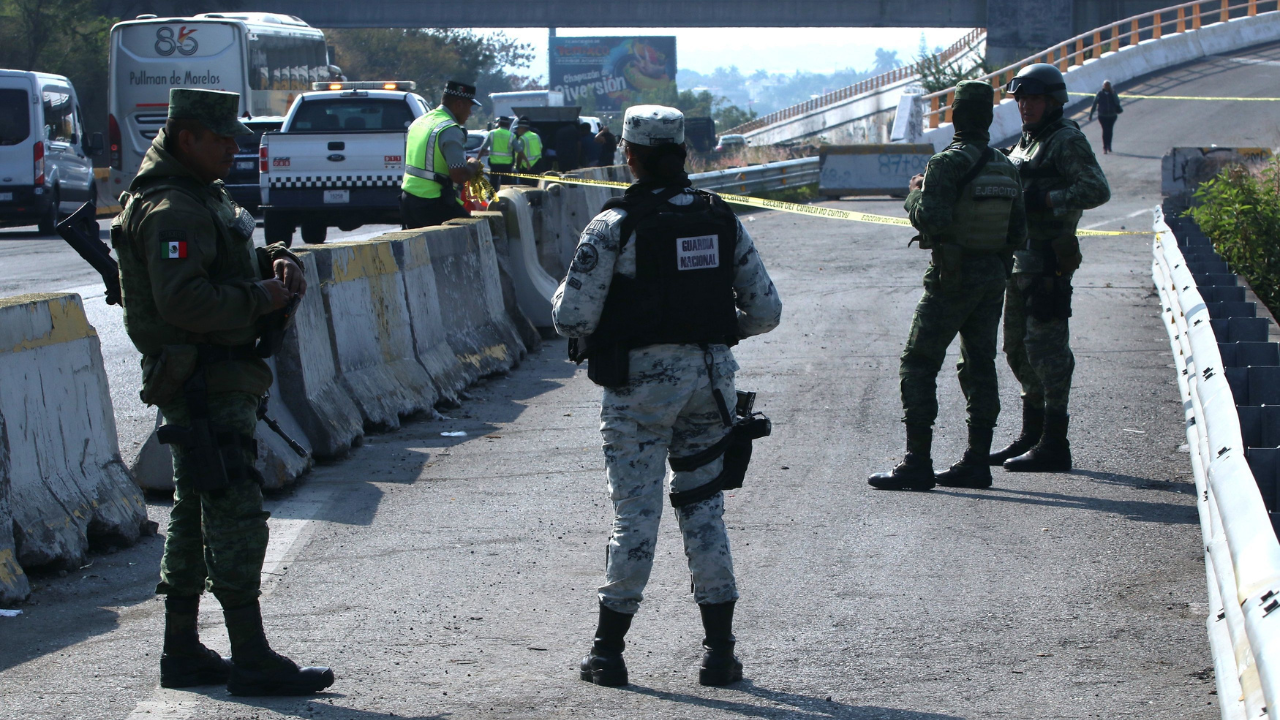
[(1240, 212), (63, 37), (432, 57)]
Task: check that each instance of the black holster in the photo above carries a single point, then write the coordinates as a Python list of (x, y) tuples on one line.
[(1049, 296), (735, 447), (215, 455), (608, 362)]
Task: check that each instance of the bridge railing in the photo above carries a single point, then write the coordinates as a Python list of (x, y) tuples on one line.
[(1242, 556), (760, 178), (859, 88), (1108, 38)]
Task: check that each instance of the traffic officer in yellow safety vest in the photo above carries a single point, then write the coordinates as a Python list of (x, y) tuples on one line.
[(435, 161), (499, 147), (528, 149), (663, 282)]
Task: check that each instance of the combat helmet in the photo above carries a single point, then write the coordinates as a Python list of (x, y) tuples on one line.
[(1039, 79)]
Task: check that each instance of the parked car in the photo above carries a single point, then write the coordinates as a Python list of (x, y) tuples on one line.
[(242, 183), (45, 166), (731, 143)]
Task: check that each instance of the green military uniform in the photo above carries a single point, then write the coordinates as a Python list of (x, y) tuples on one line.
[(193, 306), (969, 213)]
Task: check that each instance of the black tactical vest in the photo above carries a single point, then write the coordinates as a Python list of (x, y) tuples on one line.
[(683, 289)]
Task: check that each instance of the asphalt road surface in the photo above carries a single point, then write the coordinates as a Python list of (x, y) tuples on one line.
[(449, 577)]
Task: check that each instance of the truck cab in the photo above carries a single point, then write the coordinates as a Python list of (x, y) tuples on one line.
[(338, 159)]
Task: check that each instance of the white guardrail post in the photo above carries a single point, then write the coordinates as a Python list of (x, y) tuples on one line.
[(1242, 555)]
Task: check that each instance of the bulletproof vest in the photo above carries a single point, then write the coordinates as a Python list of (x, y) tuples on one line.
[(683, 289), (1039, 177), (980, 216)]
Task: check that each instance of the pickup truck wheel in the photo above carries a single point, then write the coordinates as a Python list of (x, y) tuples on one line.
[(313, 233), (277, 230), (48, 223)]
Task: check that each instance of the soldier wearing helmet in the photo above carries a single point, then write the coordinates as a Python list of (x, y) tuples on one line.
[(663, 282), (1060, 180)]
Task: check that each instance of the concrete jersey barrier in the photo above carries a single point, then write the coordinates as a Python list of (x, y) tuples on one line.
[(499, 231), (66, 481), (369, 328), (307, 376), (14, 586), (534, 287)]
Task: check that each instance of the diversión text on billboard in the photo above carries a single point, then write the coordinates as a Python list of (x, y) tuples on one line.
[(608, 73)]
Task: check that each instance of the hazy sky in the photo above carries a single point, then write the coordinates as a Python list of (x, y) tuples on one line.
[(784, 50)]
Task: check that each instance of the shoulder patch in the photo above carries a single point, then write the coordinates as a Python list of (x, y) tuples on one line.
[(586, 259), (171, 235), (173, 244)]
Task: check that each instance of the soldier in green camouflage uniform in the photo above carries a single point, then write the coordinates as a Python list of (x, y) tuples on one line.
[(1061, 179), (196, 295), (666, 407), (968, 209)]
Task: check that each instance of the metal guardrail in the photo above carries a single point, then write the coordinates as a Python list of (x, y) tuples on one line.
[(1242, 555), (760, 178), (859, 88), (1108, 38)]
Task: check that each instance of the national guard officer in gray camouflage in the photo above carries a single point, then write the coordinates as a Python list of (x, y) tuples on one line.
[(662, 283), (1060, 180), (968, 208), (197, 295)]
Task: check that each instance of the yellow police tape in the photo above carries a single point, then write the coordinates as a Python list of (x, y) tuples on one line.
[(1128, 96), (779, 205)]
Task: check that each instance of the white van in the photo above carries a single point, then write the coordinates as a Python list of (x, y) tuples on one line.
[(45, 166)]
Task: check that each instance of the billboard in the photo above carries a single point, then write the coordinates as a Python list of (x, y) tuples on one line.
[(606, 73)]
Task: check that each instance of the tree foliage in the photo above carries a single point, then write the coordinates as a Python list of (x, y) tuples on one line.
[(432, 57), (936, 75), (1240, 212), (62, 37)]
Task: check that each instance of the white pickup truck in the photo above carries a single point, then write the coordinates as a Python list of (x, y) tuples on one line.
[(338, 159)]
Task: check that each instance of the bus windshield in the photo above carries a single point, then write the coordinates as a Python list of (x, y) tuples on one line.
[(352, 114)]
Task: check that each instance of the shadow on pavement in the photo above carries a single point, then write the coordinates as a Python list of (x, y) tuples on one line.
[(312, 708), (798, 706), (1139, 510)]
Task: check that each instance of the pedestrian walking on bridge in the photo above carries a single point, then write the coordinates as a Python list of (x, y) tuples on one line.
[(1107, 104), (663, 282), (1060, 180), (968, 208), (197, 295)]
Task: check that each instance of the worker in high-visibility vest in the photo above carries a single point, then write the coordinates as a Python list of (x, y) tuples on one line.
[(499, 147), (435, 161), (529, 150)]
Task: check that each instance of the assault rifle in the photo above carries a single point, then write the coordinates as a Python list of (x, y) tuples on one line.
[(80, 230)]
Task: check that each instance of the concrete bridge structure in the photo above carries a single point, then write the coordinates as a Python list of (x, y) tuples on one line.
[(1016, 28)]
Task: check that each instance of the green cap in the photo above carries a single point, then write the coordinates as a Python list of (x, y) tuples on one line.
[(215, 109), (975, 90)]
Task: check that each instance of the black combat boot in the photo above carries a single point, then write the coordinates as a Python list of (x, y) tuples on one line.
[(1051, 454), (604, 664), (915, 472), (1032, 428), (719, 665), (256, 669), (972, 471), (185, 661)]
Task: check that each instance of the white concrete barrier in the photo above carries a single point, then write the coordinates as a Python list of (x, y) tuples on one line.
[(279, 464), (308, 376), (501, 233), (470, 295), (369, 326), (1134, 61), (67, 482), (533, 285)]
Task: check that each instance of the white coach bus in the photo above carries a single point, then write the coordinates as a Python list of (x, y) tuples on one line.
[(269, 59)]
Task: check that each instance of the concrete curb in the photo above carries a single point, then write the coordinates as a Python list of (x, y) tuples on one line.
[(66, 481), (308, 377), (369, 329)]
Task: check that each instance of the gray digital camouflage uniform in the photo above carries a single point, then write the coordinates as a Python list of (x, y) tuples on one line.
[(667, 407), (1054, 160)]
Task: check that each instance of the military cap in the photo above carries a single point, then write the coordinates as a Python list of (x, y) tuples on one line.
[(455, 89), (215, 109), (975, 90), (653, 125)]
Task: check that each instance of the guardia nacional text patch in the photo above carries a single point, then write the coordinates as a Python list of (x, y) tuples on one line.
[(698, 253)]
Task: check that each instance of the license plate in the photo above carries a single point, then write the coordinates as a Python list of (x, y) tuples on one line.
[(6, 197), (337, 196), (245, 165)]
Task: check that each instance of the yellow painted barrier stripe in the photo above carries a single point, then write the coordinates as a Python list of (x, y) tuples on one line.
[(1128, 96), (790, 207)]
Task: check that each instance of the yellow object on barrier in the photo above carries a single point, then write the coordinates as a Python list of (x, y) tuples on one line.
[(790, 207)]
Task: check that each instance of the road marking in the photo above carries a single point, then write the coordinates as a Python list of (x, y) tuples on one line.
[(1100, 223), (291, 527)]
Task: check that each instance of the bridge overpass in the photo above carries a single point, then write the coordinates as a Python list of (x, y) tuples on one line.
[(452, 576), (1016, 27)]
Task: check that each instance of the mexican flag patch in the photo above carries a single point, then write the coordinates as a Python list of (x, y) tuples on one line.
[(175, 249)]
